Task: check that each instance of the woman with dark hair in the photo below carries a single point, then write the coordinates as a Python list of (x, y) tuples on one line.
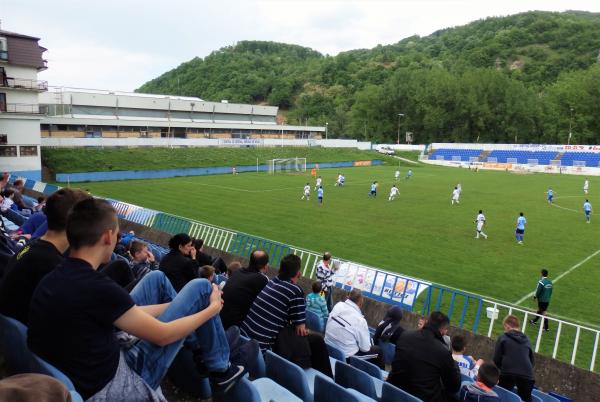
[(389, 329), (179, 264)]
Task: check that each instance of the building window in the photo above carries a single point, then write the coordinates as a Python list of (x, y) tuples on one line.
[(3, 139), (3, 49), (28, 150), (8, 151)]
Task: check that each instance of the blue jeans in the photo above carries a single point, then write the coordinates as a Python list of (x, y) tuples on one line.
[(151, 361)]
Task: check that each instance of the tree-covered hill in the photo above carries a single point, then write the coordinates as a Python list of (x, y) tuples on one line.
[(525, 77)]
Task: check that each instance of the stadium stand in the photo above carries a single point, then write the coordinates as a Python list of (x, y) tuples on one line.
[(455, 154), (280, 380), (524, 157), (590, 159)]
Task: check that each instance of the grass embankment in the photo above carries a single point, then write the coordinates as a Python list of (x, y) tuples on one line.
[(73, 160)]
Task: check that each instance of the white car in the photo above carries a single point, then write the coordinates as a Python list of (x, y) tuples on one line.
[(386, 151)]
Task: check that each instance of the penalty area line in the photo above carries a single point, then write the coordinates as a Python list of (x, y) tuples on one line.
[(559, 277)]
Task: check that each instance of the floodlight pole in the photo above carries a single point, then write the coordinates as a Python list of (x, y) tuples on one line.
[(400, 115), (570, 128), (326, 129)]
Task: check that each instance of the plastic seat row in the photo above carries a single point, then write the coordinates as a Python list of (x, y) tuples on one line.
[(448, 154), (508, 396), (20, 360)]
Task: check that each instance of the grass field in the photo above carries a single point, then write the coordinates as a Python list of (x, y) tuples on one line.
[(71, 160), (420, 234)]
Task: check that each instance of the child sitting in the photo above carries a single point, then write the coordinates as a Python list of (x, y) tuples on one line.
[(207, 272), (467, 365), (316, 303), (481, 389)]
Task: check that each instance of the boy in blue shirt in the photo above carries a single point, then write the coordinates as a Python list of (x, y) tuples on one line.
[(521, 221), (316, 303), (550, 195), (373, 192), (587, 209), (320, 194)]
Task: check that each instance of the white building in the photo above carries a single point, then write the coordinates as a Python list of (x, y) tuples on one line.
[(20, 61), (77, 113)]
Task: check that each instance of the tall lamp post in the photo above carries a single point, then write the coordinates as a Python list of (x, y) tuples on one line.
[(570, 127), (400, 115), (326, 129)]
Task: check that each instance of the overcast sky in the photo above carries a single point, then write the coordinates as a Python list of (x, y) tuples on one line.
[(119, 45)]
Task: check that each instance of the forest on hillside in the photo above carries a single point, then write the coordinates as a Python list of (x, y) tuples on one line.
[(526, 78)]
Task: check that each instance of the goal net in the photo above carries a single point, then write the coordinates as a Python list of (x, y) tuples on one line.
[(286, 165)]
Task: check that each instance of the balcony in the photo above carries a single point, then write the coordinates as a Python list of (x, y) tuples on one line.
[(3, 55), (21, 108), (20, 83)]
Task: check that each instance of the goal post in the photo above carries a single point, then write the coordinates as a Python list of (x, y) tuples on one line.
[(286, 165)]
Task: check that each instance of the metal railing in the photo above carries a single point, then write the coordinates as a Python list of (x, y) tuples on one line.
[(25, 108), (571, 342), (21, 83)]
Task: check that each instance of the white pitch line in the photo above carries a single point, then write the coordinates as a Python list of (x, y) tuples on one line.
[(559, 277)]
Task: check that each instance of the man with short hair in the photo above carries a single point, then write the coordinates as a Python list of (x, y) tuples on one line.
[(480, 221), (242, 288), (279, 303), (34, 261), (543, 293), (520, 230), (514, 357), (347, 330), (75, 309), (587, 210), (423, 365), (18, 187)]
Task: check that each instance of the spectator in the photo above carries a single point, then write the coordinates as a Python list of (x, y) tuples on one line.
[(8, 200), (142, 259), (74, 310), (466, 364), (38, 258), (179, 264), (423, 365), (242, 288), (279, 303), (121, 248), (41, 202), (389, 329), (18, 187), (232, 268), (201, 257), (481, 389), (514, 357), (35, 222), (347, 330), (207, 272), (421, 321), (4, 181), (325, 276), (316, 303)]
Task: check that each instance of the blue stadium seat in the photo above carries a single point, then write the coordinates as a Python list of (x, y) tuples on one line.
[(544, 397), (335, 353), (328, 391), (367, 367), (463, 155), (293, 378), (256, 365), (261, 390), (314, 322), (391, 393), (505, 395), (19, 359), (560, 397), (185, 376), (351, 377)]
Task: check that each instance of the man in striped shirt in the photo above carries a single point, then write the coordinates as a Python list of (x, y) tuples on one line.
[(280, 303), (325, 276)]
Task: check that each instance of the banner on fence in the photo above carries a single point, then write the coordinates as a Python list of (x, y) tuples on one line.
[(380, 285), (241, 141), (362, 163)]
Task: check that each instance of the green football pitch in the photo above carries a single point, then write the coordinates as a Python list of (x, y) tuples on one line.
[(420, 234)]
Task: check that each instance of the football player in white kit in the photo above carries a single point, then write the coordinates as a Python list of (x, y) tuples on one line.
[(393, 193), (480, 221), (455, 196), (319, 180), (586, 186), (306, 192)]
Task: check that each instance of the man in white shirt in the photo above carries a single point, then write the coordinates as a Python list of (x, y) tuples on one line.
[(480, 221), (319, 180), (306, 192), (348, 331), (455, 195), (586, 186), (393, 193)]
